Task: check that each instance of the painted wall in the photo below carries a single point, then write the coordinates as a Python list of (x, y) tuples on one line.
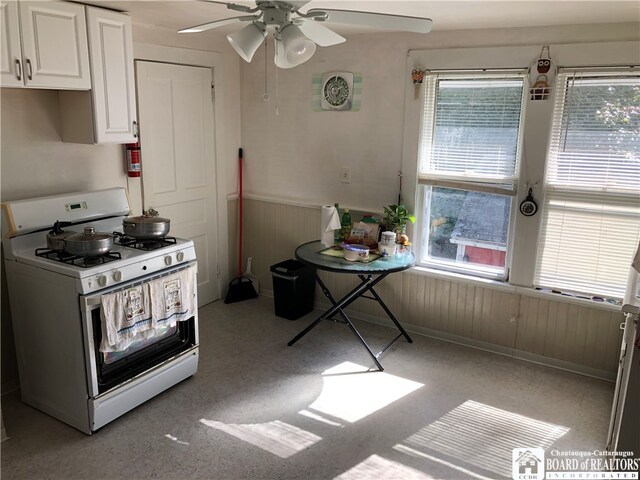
[(298, 154), (293, 160)]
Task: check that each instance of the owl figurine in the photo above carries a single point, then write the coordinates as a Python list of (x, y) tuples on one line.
[(540, 89), (543, 66)]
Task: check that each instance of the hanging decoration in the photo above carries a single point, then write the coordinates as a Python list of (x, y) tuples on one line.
[(417, 76), (542, 75), (529, 207)]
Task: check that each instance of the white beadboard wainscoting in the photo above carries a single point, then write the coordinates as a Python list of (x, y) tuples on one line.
[(509, 321)]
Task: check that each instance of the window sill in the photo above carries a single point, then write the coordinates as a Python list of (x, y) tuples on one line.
[(507, 287)]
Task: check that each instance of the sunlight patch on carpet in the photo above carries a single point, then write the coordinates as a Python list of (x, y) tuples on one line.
[(379, 468), (351, 392), (474, 434), (275, 437)]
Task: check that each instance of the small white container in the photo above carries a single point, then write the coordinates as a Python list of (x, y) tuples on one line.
[(355, 252), (387, 250), (388, 238)]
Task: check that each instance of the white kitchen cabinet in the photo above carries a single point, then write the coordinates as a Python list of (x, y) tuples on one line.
[(54, 51), (11, 55), (107, 114)]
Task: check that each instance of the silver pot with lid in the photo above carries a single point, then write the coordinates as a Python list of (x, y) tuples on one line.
[(57, 236), (89, 243), (146, 226)]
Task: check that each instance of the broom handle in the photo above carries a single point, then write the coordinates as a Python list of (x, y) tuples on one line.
[(240, 212)]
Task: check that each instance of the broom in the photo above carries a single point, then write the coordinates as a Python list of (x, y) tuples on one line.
[(241, 287)]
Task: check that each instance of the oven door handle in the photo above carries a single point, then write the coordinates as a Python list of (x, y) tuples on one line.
[(93, 301)]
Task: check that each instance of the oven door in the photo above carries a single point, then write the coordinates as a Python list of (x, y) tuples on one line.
[(107, 370)]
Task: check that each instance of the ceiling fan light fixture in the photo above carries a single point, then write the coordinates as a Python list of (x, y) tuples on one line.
[(279, 57), (297, 47), (246, 41)]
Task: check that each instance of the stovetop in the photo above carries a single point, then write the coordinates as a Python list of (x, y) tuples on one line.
[(146, 244), (77, 260), (123, 263)]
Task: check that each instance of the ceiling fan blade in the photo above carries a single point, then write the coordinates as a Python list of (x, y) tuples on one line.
[(219, 23), (232, 6), (379, 20), (320, 34), (297, 3)]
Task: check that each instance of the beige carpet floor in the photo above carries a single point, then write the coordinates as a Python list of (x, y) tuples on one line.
[(258, 409)]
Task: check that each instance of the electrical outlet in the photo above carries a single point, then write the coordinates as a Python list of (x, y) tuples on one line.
[(345, 175)]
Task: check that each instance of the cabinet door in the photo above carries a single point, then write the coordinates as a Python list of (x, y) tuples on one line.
[(10, 56), (113, 89), (54, 41)]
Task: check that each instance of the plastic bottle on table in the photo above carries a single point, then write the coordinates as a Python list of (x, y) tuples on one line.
[(346, 224), (337, 233)]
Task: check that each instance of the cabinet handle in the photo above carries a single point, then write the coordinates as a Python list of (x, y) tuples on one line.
[(19, 69), (30, 74)]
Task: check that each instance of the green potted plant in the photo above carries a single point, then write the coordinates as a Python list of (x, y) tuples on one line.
[(396, 218)]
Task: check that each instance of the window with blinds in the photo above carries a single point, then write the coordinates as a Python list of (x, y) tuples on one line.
[(473, 129), (591, 220), (468, 167)]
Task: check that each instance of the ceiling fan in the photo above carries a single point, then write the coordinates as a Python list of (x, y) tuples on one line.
[(295, 33)]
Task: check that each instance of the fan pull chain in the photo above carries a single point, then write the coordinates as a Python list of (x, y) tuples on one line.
[(265, 97), (277, 97)]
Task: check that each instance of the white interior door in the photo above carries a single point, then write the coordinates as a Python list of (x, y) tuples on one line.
[(175, 109)]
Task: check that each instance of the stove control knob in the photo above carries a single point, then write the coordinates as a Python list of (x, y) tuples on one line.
[(180, 256), (102, 280), (168, 260), (117, 276)]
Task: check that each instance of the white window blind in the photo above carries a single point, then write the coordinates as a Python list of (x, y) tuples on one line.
[(591, 220), (468, 169), (471, 128)]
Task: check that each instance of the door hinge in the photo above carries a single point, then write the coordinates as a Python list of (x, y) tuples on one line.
[(213, 92), (218, 270)]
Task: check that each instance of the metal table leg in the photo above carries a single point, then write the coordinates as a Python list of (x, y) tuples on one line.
[(337, 307), (367, 284), (386, 309)]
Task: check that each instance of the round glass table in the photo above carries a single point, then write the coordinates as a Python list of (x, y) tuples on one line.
[(370, 274)]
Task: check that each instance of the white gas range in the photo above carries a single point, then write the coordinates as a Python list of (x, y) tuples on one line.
[(56, 301)]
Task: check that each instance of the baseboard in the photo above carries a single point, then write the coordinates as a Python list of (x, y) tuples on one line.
[(481, 345)]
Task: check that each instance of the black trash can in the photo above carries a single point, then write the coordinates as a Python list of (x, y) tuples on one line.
[(294, 285)]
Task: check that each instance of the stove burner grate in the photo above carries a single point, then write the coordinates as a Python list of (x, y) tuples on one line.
[(77, 260), (145, 244)]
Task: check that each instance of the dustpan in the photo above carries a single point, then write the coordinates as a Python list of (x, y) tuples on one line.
[(240, 288)]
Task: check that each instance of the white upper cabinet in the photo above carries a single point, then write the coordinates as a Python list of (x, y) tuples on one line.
[(113, 86), (107, 114), (54, 45), (11, 74)]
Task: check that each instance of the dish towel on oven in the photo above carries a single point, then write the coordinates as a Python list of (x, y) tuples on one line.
[(125, 315), (173, 297)]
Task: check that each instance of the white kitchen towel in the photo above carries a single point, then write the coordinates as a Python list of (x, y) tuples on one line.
[(124, 315), (173, 297), (329, 221)]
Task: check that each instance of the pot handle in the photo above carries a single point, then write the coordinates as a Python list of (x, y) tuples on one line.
[(151, 213), (57, 227)]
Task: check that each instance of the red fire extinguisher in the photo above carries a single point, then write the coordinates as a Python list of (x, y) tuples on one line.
[(132, 151)]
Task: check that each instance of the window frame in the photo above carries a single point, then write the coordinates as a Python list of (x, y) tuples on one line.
[(558, 192), (426, 181), (603, 54)]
